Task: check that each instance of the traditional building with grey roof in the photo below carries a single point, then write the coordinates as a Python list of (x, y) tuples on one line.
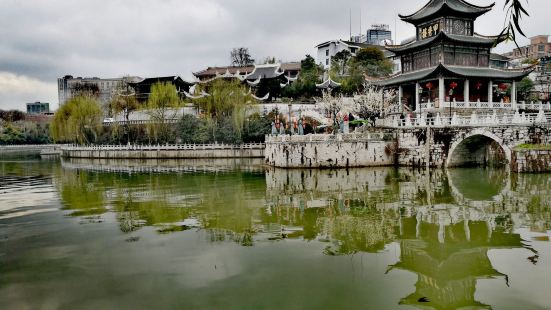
[(449, 65)]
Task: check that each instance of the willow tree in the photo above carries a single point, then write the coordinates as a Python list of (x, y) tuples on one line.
[(79, 121), (515, 11), (162, 109), (226, 99), (123, 103)]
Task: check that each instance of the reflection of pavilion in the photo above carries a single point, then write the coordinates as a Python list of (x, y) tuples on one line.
[(448, 272)]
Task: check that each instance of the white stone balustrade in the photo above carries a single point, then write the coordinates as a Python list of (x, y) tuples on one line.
[(162, 147), (324, 138), (488, 119), (536, 106)]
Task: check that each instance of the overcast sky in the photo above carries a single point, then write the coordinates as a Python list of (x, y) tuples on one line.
[(42, 40)]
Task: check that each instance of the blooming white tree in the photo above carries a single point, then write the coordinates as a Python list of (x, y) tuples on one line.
[(373, 102), (333, 105), (336, 104)]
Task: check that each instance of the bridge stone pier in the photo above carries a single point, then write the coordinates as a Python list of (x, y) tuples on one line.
[(466, 145)]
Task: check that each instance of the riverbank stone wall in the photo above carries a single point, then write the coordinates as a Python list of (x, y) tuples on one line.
[(531, 161), (328, 151), (166, 152)]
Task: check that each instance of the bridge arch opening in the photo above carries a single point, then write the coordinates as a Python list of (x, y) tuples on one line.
[(479, 149)]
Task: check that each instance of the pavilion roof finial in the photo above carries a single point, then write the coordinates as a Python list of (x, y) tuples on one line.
[(438, 7)]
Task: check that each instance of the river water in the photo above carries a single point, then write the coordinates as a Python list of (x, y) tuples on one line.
[(232, 234)]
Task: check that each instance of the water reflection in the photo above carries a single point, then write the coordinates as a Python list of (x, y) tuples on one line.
[(26, 187), (359, 210), (443, 223), (448, 270)]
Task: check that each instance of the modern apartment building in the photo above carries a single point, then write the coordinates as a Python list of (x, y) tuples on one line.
[(38, 108), (68, 85), (539, 47), (327, 50)]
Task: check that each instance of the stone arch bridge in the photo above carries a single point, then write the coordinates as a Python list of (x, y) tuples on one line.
[(422, 143)]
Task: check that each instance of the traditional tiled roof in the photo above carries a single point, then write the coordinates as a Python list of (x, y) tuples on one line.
[(495, 56), (447, 7), (213, 71), (269, 71), (290, 66), (468, 40), (329, 83), (456, 71), (290, 69)]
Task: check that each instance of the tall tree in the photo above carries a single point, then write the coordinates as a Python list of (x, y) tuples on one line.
[(339, 62), (240, 57), (269, 60), (368, 62), (79, 121), (122, 103), (12, 115), (162, 108), (525, 88), (228, 100), (305, 87)]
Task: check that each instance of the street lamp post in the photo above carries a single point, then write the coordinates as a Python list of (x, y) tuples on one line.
[(289, 121), (453, 85)]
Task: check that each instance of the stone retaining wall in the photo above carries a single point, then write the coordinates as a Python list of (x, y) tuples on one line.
[(328, 151), (526, 161), (28, 150), (165, 152)]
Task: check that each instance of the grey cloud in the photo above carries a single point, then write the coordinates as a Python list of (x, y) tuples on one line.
[(45, 39)]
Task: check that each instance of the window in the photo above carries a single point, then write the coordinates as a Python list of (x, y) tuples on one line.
[(421, 60), (327, 62), (435, 56), (407, 63), (326, 52), (449, 55)]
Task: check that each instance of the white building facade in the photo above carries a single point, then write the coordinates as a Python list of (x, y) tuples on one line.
[(327, 50)]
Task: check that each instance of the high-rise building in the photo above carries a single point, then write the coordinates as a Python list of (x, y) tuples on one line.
[(379, 35), (36, 108)]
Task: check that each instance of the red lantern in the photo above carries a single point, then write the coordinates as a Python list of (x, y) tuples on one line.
[(429, 85), (453, 85), (503, 86), (478, 85)]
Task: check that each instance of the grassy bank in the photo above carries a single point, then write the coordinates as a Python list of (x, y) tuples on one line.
[(533, 147)]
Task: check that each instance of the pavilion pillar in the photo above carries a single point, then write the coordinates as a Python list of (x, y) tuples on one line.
[(490, 92), (514, 95), (417, 98), (400, 96), (441, 92), (467, 93)]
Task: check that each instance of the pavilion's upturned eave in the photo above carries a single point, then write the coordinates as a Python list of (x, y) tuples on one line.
[(486, 41), (408, 77), (439, 7), (490, 73), (449, 71), (413, 300)]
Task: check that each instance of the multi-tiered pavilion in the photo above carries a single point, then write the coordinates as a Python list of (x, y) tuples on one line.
[(448, 65)]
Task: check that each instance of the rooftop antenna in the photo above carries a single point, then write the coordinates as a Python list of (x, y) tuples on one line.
[(395, 29), (350, 24), (360, 24)]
